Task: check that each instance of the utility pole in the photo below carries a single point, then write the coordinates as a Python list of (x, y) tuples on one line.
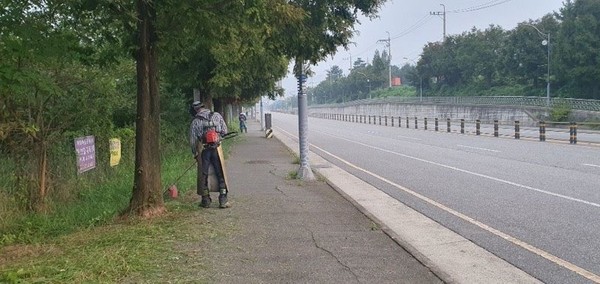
[(443, 14), (351, 63), (304, 172), (262, 122), (389, 46)]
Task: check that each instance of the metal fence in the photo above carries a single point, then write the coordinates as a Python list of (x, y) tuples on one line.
[(543, 131), (575, 104)]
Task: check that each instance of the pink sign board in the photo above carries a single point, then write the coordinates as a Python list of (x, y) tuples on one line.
[(86, 153)]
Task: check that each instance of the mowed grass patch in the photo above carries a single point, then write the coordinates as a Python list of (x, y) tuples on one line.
[(146, 251)]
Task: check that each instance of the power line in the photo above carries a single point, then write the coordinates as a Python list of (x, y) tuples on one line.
[(480, 6), (414, 26)]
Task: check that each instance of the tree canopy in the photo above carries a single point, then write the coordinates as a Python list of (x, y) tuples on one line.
[(92, 67), (497, 62)]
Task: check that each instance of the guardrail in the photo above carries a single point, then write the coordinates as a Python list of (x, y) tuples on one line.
[(491, 128), (576, 104)]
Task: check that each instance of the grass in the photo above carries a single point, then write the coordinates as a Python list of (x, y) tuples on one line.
[(292, 175), (140, 251), (84, 242)]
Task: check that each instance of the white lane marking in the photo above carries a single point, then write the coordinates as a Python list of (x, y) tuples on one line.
[(555, 259), (412, 138), (591, 165), (399, 136), (477, 148), (473, 173)]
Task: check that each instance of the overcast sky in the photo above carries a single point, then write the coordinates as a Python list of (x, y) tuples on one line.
[(411, 26)]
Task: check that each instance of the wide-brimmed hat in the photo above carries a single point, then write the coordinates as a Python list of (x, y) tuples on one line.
[(197, 104)]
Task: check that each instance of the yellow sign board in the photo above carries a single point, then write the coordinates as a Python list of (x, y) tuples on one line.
[(115, 151)]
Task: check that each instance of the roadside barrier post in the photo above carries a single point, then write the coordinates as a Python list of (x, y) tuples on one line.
[(495, 128), (448, 124), (425, 122), (416, 125), (517, 130), (407, 123), (542, 131), (380, 120), (462, 126), (436, 124), (478, 127), (573, 133), (392, 118)]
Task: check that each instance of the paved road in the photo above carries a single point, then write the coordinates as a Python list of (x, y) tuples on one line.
[(534, 204)]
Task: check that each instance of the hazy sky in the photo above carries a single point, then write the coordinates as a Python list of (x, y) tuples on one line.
[(411, 27)]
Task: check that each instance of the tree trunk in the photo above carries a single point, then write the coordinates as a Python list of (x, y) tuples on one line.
[(38, 197), (147, 197)]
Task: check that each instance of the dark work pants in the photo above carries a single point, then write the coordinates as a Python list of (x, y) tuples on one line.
[(243, 126), (209, 156)]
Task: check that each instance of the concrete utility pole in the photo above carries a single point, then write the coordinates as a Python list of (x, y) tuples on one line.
[(262, 122), (389, 46), (443, 14), (351, 63), (304, 173)]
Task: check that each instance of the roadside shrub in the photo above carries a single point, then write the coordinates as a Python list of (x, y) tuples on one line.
[(560, 112)]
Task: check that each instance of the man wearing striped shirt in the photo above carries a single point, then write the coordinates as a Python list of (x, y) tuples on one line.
[(204, 120)]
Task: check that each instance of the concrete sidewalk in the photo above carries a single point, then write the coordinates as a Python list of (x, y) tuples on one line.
[(298, 232)]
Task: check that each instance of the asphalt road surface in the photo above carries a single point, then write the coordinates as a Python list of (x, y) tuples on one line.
[(534, 204)]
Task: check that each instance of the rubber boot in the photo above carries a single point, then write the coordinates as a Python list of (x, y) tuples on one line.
[(223, 202), (205, 202)]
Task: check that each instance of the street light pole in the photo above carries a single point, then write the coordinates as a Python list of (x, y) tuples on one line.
[(548, 73), (547, 44)]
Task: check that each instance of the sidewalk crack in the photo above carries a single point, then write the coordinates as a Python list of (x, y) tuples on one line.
[(334, 256), (279, 189)]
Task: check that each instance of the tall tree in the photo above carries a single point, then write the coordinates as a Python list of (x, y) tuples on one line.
[(146, 199), (335, 73), (578, 47)]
